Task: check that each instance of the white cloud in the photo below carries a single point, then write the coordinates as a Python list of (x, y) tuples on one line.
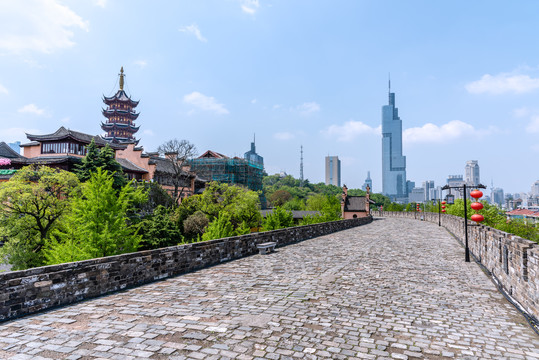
[(533, 126), (350, 130), (3, 90), (66, 120), (308, 108), (453, 130), (283, 136), (101, 3), (503, 83), (148, 132), (18, 134), (521, 112), (250, 6), (276, 106), (141, 63), (37, 25), (206, 103), (535, 147), (194, 30), (254, 101), (31, 109)]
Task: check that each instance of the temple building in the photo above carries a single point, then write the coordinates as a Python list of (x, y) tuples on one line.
[(120, 126)]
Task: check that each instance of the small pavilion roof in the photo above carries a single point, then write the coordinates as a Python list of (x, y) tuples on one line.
[(7, 152), (212, 154), (130, 167)]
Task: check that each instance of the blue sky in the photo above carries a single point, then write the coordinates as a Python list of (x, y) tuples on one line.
[(311, 73)]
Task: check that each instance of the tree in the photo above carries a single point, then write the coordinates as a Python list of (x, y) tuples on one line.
[(280, 197), (178, 153), (159, 229), (98, 225), (219, 228), (31, 206), (195, 225), (100, 158), (279, 218)]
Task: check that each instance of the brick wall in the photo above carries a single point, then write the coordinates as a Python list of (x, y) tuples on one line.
[(28, 291), (512, 261)]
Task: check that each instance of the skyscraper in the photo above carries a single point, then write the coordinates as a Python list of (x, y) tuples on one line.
[(393, 162), (333, 171), (368, 182), (472, 173), (497, 197)]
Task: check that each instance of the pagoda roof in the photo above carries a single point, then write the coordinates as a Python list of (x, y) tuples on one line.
[(110, 126), (120, 142), (7, 152), (120, 96), (131, 114), (62, 133)]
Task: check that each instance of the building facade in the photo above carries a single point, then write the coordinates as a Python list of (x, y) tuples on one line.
[(333, 171), (497, 197), (427, 187), (472, 173), (393, 162), (368, 182)]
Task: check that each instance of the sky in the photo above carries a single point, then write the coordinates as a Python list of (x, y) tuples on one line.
[(291, 73)]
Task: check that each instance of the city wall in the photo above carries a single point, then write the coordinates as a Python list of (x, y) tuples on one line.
[(513, 262), (29, 291)]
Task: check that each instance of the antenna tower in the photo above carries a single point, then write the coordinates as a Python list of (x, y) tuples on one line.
[(301, 169)]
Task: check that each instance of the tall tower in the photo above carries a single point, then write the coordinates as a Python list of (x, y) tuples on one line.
[(333, 171), (393, 162), (368, 182), (472, 173), (120, 126), (301, 169)]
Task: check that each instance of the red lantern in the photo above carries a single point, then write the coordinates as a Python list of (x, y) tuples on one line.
[(476, 194), (477, 206), (477, 217), (443, 206), (443, 203), (443, 210)]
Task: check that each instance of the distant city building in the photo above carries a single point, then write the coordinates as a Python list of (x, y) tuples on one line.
[(417, 195), (333, 171), (368, 182), (535, 189), (496, 197), (16, 146), (428, 186), (435, 193), (120, 126), (252, 156), (472, 173), (455, 181), (409, 186), (393, 162)]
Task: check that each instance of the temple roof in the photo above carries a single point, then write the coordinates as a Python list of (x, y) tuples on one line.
[(355, 203), (120, 96), (7, 152), (130, 167), (112, 125), (62, 133), (130, 114), (212, 154)]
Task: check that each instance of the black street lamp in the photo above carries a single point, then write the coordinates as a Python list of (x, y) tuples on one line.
[(463, 187)]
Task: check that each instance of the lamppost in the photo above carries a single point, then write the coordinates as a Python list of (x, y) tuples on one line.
[(463, 187)]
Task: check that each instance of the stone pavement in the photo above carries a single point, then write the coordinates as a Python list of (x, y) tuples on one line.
[(396, 289)]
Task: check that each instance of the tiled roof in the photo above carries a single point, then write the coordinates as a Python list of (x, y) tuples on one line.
[(212, 154), (129, 166), (523, 212), (355, 203), (63, 133), (7, 152)]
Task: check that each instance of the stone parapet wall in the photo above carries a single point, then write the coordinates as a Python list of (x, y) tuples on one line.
[(512, 261), (29, 291)]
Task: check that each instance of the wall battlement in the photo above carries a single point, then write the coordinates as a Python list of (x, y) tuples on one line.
[(513, 262), (29, 291)]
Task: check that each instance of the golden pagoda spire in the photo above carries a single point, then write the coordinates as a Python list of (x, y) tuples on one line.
[(122, 78)]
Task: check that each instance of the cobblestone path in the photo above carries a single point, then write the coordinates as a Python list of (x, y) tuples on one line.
[(396, 289)]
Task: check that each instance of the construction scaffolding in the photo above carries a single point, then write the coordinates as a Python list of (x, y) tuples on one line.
[(231, 171)]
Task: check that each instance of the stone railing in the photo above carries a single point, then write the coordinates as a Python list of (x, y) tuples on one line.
[(29, 291), (513, 262)]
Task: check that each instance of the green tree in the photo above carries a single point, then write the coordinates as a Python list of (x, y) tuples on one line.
[(280, 197), (195, 225), (160, 229), (100, 158), (219, 228), (32, 204), (98, 225), (279, 218)]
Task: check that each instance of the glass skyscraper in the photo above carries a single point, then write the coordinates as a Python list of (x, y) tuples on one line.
[(393, 162)]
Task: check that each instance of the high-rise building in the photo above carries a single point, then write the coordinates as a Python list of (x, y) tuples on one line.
[(333, 171), (472, 173), (455, 181), (393, 162), (535, 189), (496, 196), (368, 182), (252, 156), (427, 186)]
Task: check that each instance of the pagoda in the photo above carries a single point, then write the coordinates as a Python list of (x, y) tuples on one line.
[(120, 116)]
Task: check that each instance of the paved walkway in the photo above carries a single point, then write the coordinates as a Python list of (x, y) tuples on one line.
[(395, 288)]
